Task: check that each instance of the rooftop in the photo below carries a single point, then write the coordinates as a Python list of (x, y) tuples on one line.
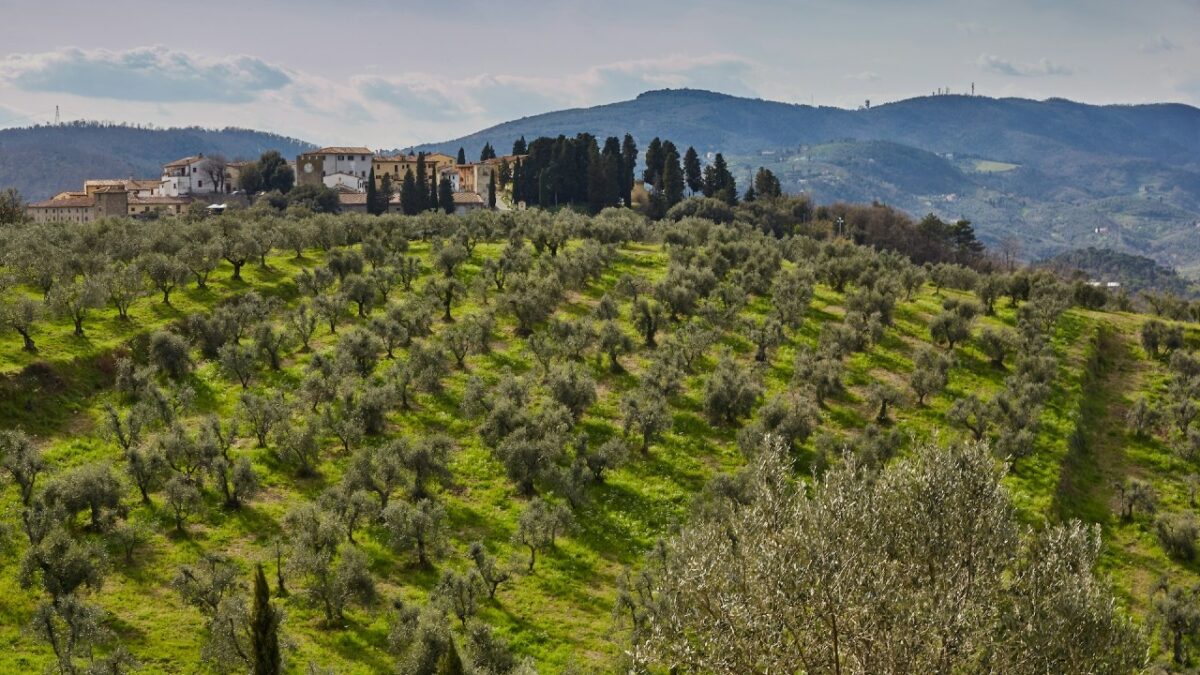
[(65, 203), (342, 150)]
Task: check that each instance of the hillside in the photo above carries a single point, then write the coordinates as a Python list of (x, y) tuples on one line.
[(1135, 273), (42, 161), (1074, 175), (468, 377)]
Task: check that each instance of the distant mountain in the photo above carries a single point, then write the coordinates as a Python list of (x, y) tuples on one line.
[(44, 160), (1057, 174)]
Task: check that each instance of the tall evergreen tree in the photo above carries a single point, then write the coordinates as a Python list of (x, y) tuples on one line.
[(719, 182), (520, 147), (264, 629), (487, 153), (422, 180), (505, 173), (654, 161), (372, 195), (691, 170), (672, 178), (518, 182), (446, 196), (435, 194), (462, 155), (387, 190), (629, 153), (766, 184), (409, 202), (492, 191)]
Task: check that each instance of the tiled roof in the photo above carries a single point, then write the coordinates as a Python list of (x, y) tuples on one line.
[(118, 182), (341, 150), (352, 198), (65, 203), (137, 184), (184, 162), (69, 194), (467, 198), (111, 188), (158, 201)]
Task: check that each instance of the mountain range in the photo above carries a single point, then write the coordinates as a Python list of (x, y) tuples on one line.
[(1056, 174)]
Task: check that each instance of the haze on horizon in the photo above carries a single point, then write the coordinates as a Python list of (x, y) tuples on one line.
[(392, 74)]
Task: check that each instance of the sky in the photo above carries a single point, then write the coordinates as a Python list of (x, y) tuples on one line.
[(393, 74)]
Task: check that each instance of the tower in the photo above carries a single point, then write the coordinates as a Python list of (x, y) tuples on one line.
[(57, 118)]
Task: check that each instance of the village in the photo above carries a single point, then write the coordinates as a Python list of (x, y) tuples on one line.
[(215, 184)]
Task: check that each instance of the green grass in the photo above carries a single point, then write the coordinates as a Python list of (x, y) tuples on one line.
[(560, 615)]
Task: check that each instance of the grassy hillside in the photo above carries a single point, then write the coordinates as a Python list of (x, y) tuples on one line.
[(560, 614)]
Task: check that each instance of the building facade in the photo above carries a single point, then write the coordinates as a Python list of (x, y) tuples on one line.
[(313, 167)]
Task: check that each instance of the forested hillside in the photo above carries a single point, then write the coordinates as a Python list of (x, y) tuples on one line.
[(45, 160), (1054, 174), (532, 441)]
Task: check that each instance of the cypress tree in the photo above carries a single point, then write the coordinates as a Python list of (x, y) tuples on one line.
[(372, 195), (422, 180), (654, 162), (387, 189), (491, 191), (750, 194), (672, 179), (435, 194), (629, 155), (487, 153), (446, 196), (517, 183), (691, 170), (264, 629), (408, 194), (520, 147), (462, 155)]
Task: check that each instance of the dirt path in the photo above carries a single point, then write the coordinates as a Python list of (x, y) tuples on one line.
[(1086, 485)]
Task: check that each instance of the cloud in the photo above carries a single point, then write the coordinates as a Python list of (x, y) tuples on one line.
[(152, 74), (865, 76), (1002, 66), (499, 97), (1157, 45)]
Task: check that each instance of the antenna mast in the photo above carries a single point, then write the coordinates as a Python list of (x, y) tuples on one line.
[(57, 118)]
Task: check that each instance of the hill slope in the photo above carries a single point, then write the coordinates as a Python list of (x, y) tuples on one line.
[(1055, 173), (558, 613), (42, 161)]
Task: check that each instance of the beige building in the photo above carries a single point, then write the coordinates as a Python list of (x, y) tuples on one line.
[(107, 201), (396, 167), (157, 206)]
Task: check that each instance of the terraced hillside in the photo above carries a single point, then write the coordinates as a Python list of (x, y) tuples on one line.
[(536, 397)]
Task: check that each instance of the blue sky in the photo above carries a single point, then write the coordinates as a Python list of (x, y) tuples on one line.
[(390, 74)]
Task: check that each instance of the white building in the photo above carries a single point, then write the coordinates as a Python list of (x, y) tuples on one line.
[(187, 176), (345, 180)]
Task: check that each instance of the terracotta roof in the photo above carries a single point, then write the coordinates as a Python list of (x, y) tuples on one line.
[(184, 162), (467, 198), (111, 188), (65, 203), (69, 194), (341, 150), (118, 182), (138, 184), (352, 198), (158, 201)]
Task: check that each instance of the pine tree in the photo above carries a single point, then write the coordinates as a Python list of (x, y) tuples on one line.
[(422, 180), (408, 195), (487, 153), (520, 147), (462, 155), (446, 196), (372, 195), (654, 161), (264, 629), (750, 194), (766, 184), (692, 171)]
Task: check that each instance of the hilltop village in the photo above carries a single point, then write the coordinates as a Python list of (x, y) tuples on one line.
[(359, 179)]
